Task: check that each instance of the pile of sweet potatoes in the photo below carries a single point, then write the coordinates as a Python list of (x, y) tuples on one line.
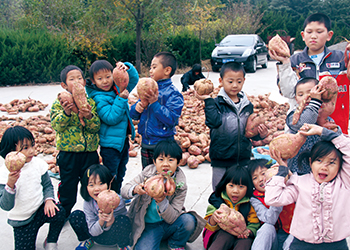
[(23, 105)]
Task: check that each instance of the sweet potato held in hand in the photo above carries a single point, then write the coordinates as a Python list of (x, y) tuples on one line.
[(121, 78), (79, 97), (14, 161), (279, 46), (107, 201), (203, 86), (287, 144), (144, 85)]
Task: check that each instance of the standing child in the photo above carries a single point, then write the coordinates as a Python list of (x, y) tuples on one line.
[(163, 218), (93, 225), (159, 118), (226, 116), (28, 193), (316, 61), (113, 110), (234, 189), (320, 220), (77, 143), (190, 77), (276, 221)]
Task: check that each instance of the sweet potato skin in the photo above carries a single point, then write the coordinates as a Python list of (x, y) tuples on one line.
[(287, 144)]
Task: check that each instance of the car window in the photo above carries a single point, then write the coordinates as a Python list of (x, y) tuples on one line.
[(237, 41)]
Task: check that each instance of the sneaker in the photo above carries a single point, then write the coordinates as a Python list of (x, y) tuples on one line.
[(50, 246), (127, 202), (125, 248), (85, 245)]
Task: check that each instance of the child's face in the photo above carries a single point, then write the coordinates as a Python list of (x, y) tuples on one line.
[(95, 186), (157, 71), (103, 80), (326, 168), (315, 36), (72, 77), (302, 92), (166, 163), (258, 178), (232, 83), (27, 148), (235, 192)]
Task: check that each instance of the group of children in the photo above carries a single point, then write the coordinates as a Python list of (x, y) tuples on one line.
[(305, 212)]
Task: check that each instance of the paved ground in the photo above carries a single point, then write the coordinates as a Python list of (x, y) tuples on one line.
[(198, 180)]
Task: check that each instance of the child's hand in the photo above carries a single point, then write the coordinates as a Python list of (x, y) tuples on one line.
[(67, 107), (244, 235), (277, 156), (274, 56), (12, 178), (263, 130), (124, 94), (152, 96), (50, 208), (139, 107), (216, 216), (201, 97), (106, 219), (317, 91), (310, 129), (139, 189), (86, 112), (121, 66)]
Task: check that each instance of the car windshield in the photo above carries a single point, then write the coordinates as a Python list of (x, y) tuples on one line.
[(237, 41)]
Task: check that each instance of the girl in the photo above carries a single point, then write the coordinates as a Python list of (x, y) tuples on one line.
[(235, 190), (320, 220), (28, 193), (92, 225)]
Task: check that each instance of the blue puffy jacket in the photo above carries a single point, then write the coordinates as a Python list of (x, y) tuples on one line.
[(114, 112), (158, 121)]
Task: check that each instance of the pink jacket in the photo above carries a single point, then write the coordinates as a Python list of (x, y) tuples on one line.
[(321, 212)]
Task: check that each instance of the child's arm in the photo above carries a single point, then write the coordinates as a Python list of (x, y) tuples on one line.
[(112, 113), (253, 223), (212, 114), (8, 191), (135, 113), (59, 119), (93, 124), (267, 215), (49, 197), (133, 76)]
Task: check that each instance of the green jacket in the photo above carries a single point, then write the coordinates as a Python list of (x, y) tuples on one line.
[(71, 135)]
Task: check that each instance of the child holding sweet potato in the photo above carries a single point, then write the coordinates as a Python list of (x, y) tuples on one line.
[(77, 143)]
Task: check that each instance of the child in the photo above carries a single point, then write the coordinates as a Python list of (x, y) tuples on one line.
[(316, 61), (164, 218), (275, 230), (226, 116), (190, 77), (77, 143), (159, 118), (92, 225), (28, 193), (234, 189), (320, 220), (113, 110)]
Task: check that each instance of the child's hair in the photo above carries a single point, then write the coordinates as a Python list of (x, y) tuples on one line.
[(98, 65), (233, 66), (197, 68), (319, 150), (237, 175), (167, 59), (258, 163), (65, 71), (12, 136), (305, 80), (168, 147), (318, 17), (105, 177)]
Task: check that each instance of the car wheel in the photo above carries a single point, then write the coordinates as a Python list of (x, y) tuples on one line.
[(215, 68), (252, 68), (264, 66)]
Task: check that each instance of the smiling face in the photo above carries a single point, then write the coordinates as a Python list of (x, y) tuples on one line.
[(95, 186), (258, 178), (302, 92), (326, 168), (315, 36), (232, 83), (166, 163), (103, 79), (26, 147), (235, 192)]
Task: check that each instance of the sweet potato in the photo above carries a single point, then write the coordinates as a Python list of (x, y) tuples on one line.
[(154, 186), (203, 86), (107, 201), (185, 156), (253, 122), (279, 46), (65, 96), (121, 78), (14, 161), (194, 150), (330, 85), (231, 220), (287, 144), (79, 97), (193, 162), (143, 86)]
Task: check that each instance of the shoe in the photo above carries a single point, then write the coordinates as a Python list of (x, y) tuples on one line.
[(50, 246), (125, 248), (85, 245), (127, 202)]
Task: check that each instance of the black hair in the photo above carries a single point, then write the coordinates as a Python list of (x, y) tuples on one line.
[(238, 175), (98, 65), (167, 59), (65, 71), (319, 150), (105, 177), (12, 137), (168, 147), (303, 81), (258, 163), (197, 68), (233, 66), (318, 17)]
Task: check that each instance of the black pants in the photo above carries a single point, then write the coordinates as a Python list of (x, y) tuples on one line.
[(146, 157), (72, 168), (25, 236), (225, 241), (299, 244)]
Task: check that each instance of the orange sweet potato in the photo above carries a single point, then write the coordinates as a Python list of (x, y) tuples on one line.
[(279, 46), (254, 120), (287, 144), (121, 78), (203, 86)]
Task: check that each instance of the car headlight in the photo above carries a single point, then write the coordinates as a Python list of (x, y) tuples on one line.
[(247, 52), (214, 53)]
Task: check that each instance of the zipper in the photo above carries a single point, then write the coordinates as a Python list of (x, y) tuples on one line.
[(238, 138), (146, 125)]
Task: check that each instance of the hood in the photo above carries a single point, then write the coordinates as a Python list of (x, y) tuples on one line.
[(231, 50)]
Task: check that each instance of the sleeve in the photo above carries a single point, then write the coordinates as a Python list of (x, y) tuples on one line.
[(133, 76), (59, 120), (287, 80), (48, 189), (92, 219), (253, 221), (133, 113), (210, 210), (267, 215), (185, 79), (112, 113), (92, 125), (126, 190), (277, 193), (7, 199), (213, 117)]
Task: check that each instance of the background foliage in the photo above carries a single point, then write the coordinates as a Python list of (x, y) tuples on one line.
[(39, 37)]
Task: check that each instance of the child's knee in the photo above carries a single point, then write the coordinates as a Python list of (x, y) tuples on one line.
[(188, 222)]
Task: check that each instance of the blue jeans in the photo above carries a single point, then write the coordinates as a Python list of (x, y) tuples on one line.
[(116, 162), (177, 233), (265, 238)]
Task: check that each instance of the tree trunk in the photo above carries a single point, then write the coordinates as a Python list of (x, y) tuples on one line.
[(138, 46)]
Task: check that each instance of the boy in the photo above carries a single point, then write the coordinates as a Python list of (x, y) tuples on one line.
[(226, 116), (316, 61), (77, 144), (274, 218), (190, 77), (159, 118), (113, 110), (163, 218)]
